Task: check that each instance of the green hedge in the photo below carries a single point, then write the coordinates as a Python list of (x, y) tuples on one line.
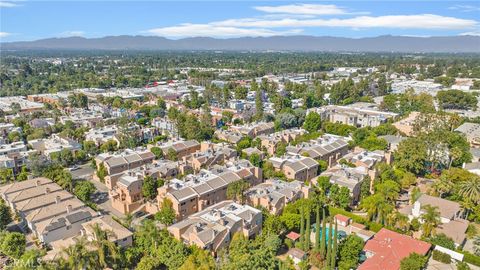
[(441, 257), (471, 258), (372, 226)]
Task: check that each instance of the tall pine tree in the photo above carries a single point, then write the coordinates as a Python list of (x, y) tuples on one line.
[(302, 228), (328, 259), (334, 248), (307, 234), (317, 229), (324, 235)]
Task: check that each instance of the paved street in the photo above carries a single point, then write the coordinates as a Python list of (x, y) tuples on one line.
[(101, 199), (85, 171)]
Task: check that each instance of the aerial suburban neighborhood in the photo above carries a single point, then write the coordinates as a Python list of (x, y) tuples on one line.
[(250, 149)]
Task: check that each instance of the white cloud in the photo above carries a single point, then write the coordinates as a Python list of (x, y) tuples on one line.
[(309, 9), (465, 8), (8, 4), (473, 33), (421, 21), (74, 33), (211, 30), (4, 34)]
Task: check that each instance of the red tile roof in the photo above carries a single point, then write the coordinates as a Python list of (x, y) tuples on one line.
[(342, 218), (389, 248), (293, 236)]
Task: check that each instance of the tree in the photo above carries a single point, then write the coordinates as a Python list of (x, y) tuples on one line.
[(23, 175), (313, 122), (102, 172), (172, 154), (339, 196), (6, 175), (377, 207), (389, 189), (109, 146), (199, 259), (470, 189), (167, 214), (324, 235), (411, 155), (236, 190), (12, 244), (149, 187), (317, 229), (443, 241), (84, 190), (431, 219), (413, 262), (5, 215), (349, 252), (90, 148), (258, 102), (106, 250), (78, 257), (255, 160)]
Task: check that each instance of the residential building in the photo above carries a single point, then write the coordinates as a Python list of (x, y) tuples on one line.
[(254, 129), (368, 159), (327, 147), (119, 162), (275, 194), (126, 195), (6, 128), (248, 152), (199, 191), (25, 106), (15, 147), (102, 135), (393, 141), (297, 255), (213, 228), (406, 125), (209, 155), (451, 216), (228, 136), (120, 235), (181, 148), (471, 132), (387, 248), (360, 114), (270, 142), (42, 122), (46, 209), (54, 144), (296, 167), (349, 177), (85, 118)]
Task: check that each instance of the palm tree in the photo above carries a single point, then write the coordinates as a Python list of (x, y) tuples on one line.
[(78, 257), (402, 222), (431, 219), (470, 189), (105, 248), (443, 186)]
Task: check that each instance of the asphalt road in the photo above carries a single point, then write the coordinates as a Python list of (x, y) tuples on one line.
[(85, 171)]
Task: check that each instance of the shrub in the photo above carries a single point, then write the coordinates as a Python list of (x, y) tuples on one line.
[(288, 243), (471, 258), (441, 257)]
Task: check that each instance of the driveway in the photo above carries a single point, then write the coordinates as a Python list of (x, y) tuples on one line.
[(84, 171), (101, 198)]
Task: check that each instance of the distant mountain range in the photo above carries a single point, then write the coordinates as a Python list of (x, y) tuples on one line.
[(452, 44)]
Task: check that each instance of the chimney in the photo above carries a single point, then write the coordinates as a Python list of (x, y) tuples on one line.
[(47, 190), (57, 199), (69, 208), (37, 183)]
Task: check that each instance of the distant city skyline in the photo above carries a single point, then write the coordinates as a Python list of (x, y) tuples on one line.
[(32, 20)]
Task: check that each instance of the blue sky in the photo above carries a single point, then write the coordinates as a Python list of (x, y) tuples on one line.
[(31, 20)]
